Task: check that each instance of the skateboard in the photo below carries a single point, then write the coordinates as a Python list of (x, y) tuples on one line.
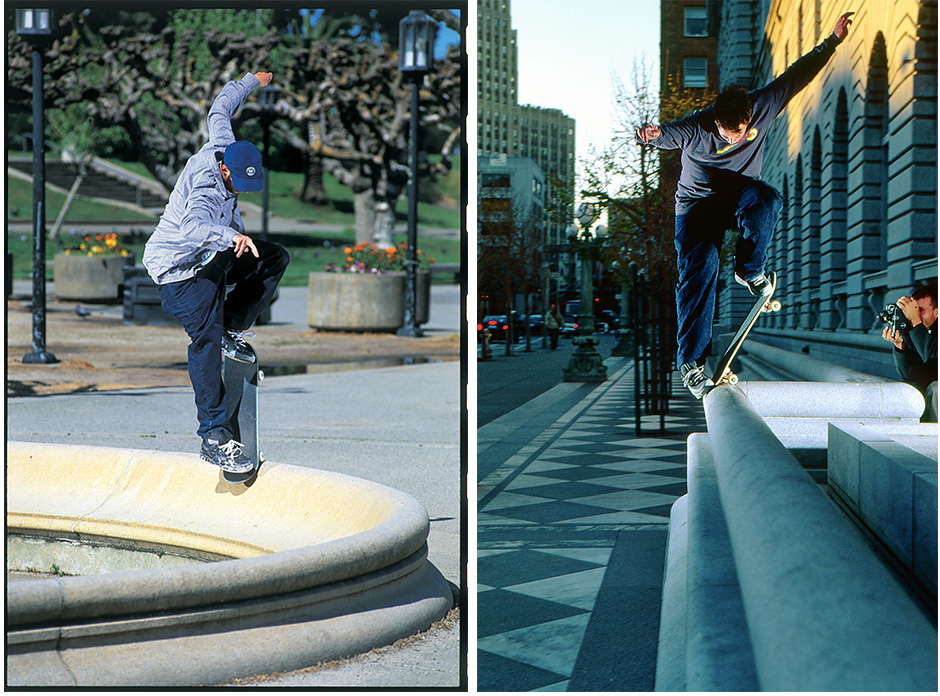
[(241, 381), (723, 373)]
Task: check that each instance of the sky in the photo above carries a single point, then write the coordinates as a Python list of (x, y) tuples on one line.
[(567, 52)]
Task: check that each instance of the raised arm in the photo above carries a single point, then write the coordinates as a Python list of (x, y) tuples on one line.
[(228, 102)]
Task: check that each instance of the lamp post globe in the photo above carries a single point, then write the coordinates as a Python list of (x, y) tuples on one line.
[(416, 35)]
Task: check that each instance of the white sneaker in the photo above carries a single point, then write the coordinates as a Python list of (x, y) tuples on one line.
[(758, 285), (695, 379)]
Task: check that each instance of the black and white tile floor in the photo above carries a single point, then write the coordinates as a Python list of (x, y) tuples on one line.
[(571, 542)]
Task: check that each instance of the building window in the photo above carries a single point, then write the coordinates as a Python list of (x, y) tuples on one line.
[(695, 72), (696, 21)]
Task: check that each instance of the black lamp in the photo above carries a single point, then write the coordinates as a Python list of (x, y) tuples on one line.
[(416, 34), (35, 26)]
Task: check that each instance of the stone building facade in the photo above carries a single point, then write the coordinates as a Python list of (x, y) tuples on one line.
[(854, 156)]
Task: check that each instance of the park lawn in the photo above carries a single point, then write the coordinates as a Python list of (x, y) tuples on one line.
[(20, 207), (309, 252)]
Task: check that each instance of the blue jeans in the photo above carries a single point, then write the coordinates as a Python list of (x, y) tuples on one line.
[(753, 208), (202, 307)]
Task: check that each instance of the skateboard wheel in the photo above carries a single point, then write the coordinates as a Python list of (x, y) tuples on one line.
[(260, 375), (732, 379), (775, 306)]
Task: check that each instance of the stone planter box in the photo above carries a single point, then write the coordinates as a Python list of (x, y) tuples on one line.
[(363, 302), (90, 278)]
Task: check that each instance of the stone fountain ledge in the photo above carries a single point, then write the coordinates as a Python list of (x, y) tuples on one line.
[(319, 566)]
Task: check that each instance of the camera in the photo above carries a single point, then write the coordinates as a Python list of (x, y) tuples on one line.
[(893, 318)]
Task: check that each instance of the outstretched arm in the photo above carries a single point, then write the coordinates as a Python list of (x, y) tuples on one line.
[(802, 72)]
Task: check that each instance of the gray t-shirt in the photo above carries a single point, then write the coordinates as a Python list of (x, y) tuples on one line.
[(201, 217), (710, 164)]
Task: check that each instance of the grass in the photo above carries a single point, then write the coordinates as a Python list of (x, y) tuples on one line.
[(309, 252), (20, 207)]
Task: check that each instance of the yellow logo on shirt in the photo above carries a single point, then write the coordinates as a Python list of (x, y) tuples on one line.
[(751, 135)]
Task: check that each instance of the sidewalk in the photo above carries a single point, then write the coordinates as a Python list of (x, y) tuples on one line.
[(571, 534), (398, 426)]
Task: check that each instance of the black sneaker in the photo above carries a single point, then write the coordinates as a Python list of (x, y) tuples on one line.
[(219, 448), (694, 377), (235, 347), (758, 285)]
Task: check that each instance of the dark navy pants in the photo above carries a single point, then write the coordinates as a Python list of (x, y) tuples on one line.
[(202, 307), (752, 208)]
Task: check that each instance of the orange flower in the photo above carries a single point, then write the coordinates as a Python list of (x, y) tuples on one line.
[(391, 251), (347, 250)]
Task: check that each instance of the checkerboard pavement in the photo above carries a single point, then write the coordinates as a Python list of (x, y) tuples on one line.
[(572, 524)]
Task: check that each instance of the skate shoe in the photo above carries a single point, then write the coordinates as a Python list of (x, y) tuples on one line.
[(235, 347), (758, 285), (694, 377), (221, 449)]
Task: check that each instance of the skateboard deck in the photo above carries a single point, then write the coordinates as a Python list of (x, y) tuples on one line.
[(764, 303), (241, 393)]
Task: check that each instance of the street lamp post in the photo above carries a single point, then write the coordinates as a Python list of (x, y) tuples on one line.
[(586, 364), (267, 98), (35, 26), (416, 34)]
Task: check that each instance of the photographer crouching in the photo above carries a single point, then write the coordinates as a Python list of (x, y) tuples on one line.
[(909, 325)]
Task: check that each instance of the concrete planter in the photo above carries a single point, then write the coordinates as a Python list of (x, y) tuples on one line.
[(90, 278), (363, 302)]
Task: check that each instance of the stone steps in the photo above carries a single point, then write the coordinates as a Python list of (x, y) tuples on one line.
[(769, 586)]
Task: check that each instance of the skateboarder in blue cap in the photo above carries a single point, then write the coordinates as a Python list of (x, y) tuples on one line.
[(199, 248), (719, 189)]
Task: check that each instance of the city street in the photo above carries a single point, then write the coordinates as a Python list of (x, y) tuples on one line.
[(504, 383)]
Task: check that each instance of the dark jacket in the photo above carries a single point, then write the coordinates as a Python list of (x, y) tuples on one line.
[(917, 363)]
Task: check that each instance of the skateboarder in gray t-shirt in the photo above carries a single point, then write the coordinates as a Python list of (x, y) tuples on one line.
[(720, 189)]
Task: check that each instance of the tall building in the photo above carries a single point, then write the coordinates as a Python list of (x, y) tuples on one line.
[(504, 127)]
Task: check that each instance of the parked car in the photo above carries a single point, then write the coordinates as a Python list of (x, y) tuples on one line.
[(569, 327), (535, 324), (497, 326)]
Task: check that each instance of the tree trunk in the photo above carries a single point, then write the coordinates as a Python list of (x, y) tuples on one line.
[(313, 191)]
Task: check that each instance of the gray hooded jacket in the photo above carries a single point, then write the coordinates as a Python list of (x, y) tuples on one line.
[(201, 217)]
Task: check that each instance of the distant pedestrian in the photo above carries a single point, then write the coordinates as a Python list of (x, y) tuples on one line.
[(553, 322), (720, 188), (198, 249)]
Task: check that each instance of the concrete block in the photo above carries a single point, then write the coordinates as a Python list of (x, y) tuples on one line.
[(925, 530), (886, 495), (860, 400), (844, 454)]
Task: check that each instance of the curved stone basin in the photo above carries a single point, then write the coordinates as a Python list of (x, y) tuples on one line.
[(320, 566)]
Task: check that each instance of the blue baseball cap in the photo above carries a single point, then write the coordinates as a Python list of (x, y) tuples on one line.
[(244, 163)]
